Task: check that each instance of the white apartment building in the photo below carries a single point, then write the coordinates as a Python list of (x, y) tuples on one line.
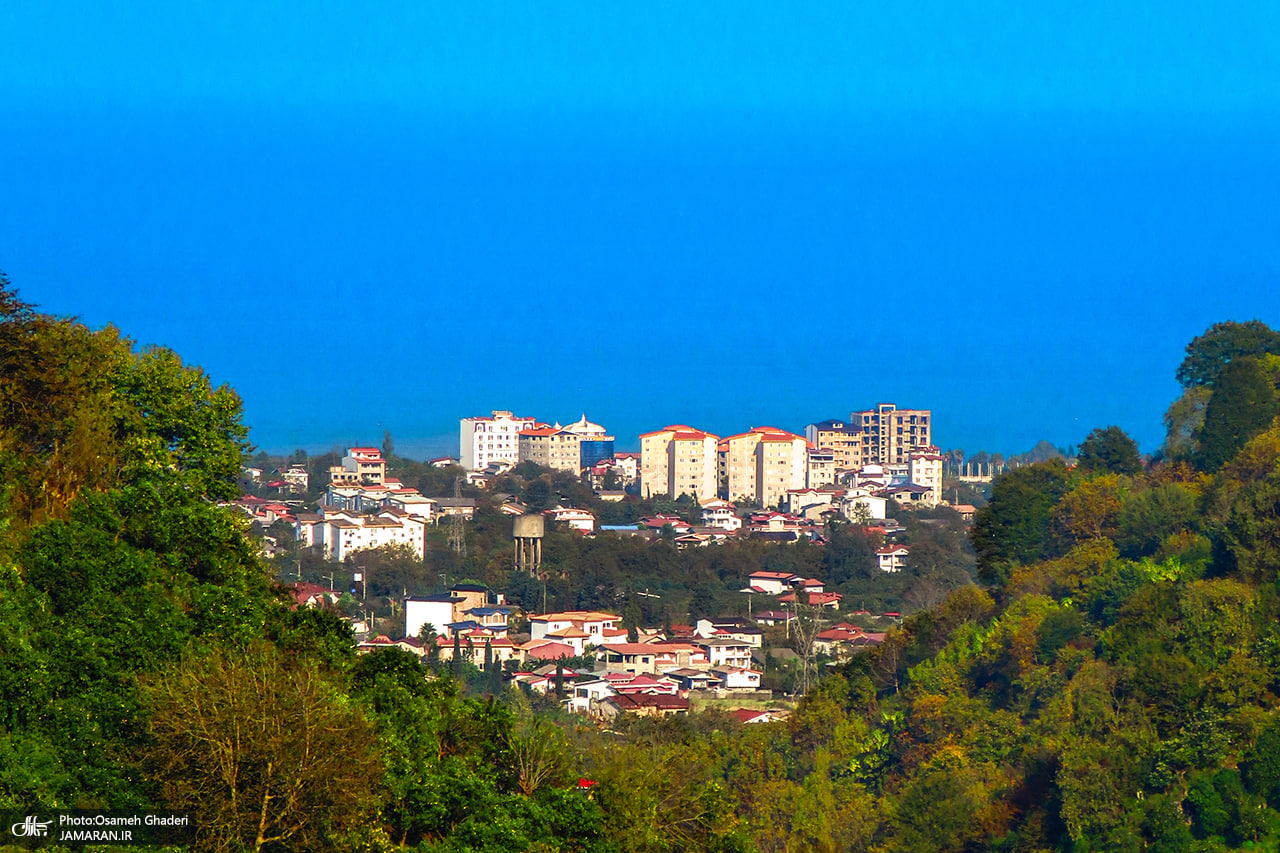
[(678, 460), (343, 533), (762, 465), (926, 470), (491, 439)]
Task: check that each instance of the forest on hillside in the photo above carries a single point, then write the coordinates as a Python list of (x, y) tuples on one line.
[(1109, 684)]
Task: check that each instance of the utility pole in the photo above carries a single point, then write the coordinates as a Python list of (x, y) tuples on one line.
[(457, 533)]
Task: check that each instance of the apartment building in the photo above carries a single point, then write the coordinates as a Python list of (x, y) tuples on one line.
[(551, 447), (821, 467), (843, 438), (492, 439), (889, 434), (678, 460), (342, 533), (762, 465), (925, 465), (571, 448)]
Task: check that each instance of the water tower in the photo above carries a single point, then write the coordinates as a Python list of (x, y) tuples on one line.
[(528, 536)]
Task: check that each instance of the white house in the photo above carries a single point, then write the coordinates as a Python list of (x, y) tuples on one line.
[(577, 519), (434, 610), (892, 558)]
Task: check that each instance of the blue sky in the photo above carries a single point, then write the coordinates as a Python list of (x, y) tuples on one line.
[(391, 217)]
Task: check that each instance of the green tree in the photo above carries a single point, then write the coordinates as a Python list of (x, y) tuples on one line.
[(1223, 343), (1244, 403), (1109, 450), (1183, 420), (1016, 526)]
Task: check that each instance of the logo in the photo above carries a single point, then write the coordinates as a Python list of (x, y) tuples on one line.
[(32, 827)]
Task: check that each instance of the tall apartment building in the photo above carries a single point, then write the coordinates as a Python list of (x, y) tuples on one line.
[(762, 465), (678, 460), (491, 439), (889, 434), (822, 468), (926, 470)]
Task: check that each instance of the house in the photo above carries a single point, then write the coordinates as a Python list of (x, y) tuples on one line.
[(844, 638), (658, 523), (547, 650), (644, 683), (725, 652), (751, 716), (361, 466), (342, 533), (311, 595), (644, 705), (495, 619), (631, 657), (892, 558), (721, 514), (592, 623), (732, 629), (738, 678), (694, 679), (587, 692), (815, 599), (772, 583), (774, 617), (577, 519), (909, 495), (465, 507)]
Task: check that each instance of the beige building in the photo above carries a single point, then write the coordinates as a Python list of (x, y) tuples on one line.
[(678, 460), (551, 447), (822, 467), (889, 434), (762, 465), (843, 438)]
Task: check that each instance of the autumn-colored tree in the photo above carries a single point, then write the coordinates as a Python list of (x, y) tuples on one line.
[(261, 752)]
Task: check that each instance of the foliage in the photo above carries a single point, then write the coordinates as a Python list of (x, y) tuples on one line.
[(1224, 343), (1109, 450), (1015, 527), (1244, 403), (259, 751)]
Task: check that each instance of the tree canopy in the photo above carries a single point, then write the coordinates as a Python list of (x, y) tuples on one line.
[(1222, 344), (1109, 450)]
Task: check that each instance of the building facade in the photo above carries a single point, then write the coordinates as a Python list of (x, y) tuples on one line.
[(678, 460), (762, 465), (889, 434), (491, 439)]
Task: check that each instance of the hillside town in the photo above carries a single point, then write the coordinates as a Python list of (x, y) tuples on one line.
[(764, 484)]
